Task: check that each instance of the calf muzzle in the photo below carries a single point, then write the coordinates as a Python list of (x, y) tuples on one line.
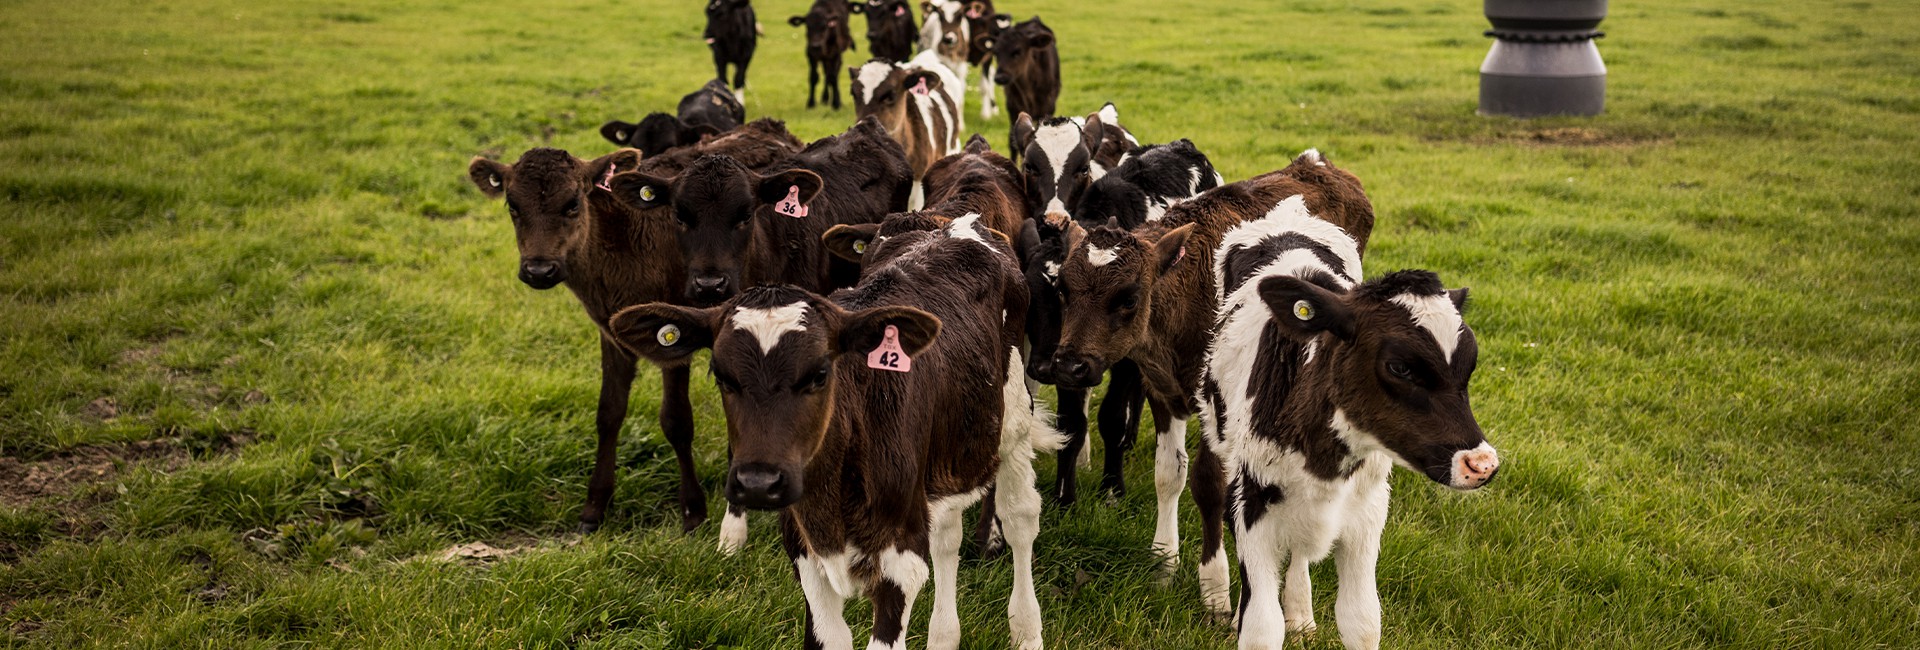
[(761, 486), (709, 290), (1474, 467), (542, 274), (1076, 371)]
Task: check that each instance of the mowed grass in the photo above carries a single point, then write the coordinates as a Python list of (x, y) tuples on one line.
[(248, 226)]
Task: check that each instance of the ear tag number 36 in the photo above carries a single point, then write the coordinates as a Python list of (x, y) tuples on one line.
[(889, 356), (791, 206)]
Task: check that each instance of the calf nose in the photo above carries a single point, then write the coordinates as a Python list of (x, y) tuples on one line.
[(541, 274), (1001, 77), (1074, 372), (710, 289), (1041, 369), (759, 486), (1474, 467)]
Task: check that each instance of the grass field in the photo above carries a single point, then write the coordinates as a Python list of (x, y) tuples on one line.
[(263, 358)]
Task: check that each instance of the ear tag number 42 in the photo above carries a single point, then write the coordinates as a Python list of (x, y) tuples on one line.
[(889, 356), (791, 206)]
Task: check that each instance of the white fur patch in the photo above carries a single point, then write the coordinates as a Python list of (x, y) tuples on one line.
[(1099, 257), (872, 74), (1053, 272), (768, 325), (968, 227), (1214, 582), (1438, 316), (1057, 142), (1109, 114), (733, 532), (1313, 156), (1290, 215), (906, 569), (1055, 206), (1193, 180)]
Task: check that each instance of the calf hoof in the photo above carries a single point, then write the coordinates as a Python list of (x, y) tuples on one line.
[(1113, 487), (587, 527), (692, 520), (1303, 629)]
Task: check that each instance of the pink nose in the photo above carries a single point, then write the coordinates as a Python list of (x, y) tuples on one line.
[(1474, 467)]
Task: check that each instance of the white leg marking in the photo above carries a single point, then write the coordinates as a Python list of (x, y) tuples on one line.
[(824, 603), (907, 570), (986, 96), (917, 200), (1356, 609), (1214, 583), (1169, 478), (733, 531), (1261, 616), (1017, 501), (943, 632), (1086, 448), (1296, 596)]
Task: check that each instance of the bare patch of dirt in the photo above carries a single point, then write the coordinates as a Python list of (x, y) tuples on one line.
[(25, 482), (1576, 136)]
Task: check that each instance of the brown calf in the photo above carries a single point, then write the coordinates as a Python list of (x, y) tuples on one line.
[(1029, 68), (828, 37), (891, 32), (1148, 295), (862, 418)]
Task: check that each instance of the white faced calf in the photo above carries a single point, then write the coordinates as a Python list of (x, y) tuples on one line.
[(1315, 387)]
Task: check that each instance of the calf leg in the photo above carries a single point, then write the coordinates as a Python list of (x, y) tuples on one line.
[(1120, 421), (826, 624), (833, 79), (1357, 607), (986, 90), (943, 632), (1019, 508), (987, 538), (813, 79), (740, 78), (902, 573), (1209, 483), (616, 381), (1169, 478), (1073, 422), (676, 421), (1260, 550), (1296, 596)]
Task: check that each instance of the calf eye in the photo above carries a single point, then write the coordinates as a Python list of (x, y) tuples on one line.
[(573, 209), (814, 381), (1399, 369)]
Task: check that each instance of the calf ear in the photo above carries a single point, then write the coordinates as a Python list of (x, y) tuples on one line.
[(618, 132), (641, 191), (926, 8), (850, 241), (1021, 134), (862, 331), (601, 171), (1091, 133), (797, 21), (662, 333), (1171, 248), (1305, 307), (774, 187), (914, 78), (1040, 40), (1029, 239), (1459, 298), (1003, 21), (978, 145), (489, 176)]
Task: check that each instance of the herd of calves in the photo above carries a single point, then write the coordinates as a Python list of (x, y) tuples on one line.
[(880, 303)]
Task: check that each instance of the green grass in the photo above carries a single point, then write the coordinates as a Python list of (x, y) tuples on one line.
[(1696, 318)]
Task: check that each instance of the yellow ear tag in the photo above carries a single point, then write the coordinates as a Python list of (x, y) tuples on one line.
[(646, 192), (668, 335), (859, 247), (1303, 310)]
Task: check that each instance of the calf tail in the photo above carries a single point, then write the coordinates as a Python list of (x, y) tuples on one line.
[(1026, 423)]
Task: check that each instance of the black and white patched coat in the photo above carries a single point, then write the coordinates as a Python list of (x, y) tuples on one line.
[(1147, 181), (1248, 356)]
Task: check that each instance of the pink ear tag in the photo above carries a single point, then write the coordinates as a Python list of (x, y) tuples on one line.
[(791, 206), (973, 12), (605, 180), (900, 10), (920, 88), (889, 356)]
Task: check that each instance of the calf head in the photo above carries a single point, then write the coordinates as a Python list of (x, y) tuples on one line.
[(822, 21), (1107, 288), (716, 201), (656, 133), (1395, 358), (1020, 52), (947, 30), (883, 90), (720, 8), (553, 199), (1056, 157), (1042, 248), (777, 356)]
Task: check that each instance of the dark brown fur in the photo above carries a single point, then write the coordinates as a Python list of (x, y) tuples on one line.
[(1029, 67), (828, 37)]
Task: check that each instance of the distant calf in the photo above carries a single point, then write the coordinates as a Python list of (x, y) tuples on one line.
[(962, 33), (865, 420), (828, 37), (711, 110), (1316, 385), (1029, 68), (890, 28), (740, 228), (918, 103), (1148, 294), (732, 33)]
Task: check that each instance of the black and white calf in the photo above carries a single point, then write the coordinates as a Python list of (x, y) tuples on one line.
[(711, 110), (962, 34), (873, 419), (1148, 181), (918, 102), (1316, 385)]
